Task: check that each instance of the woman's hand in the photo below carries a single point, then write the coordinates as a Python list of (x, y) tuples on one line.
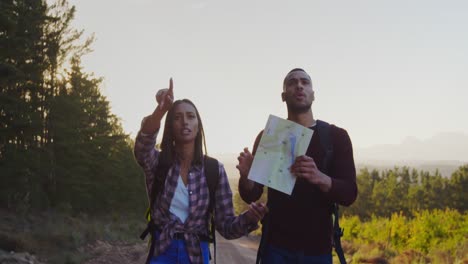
[(256, 212), (165, 97)]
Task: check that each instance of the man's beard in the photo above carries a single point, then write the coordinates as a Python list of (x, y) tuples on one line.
[(298, 109)]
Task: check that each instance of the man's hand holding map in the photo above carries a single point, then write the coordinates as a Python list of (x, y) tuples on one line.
[(282, 141)]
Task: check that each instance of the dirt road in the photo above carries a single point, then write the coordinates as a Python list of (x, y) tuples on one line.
[(242, 250)]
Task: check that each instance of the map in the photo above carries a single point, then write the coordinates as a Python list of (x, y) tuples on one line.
[(282, 141)]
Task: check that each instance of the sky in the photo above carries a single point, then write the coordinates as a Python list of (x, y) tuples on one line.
[(382, 70)]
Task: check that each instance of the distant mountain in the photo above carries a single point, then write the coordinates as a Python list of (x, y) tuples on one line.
[(447, 147), (444, 152), (445, 168)]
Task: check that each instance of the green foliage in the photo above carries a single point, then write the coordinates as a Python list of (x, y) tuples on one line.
[(443, 230), (404, 191), (60, 146), (458, 188), (428, 234)]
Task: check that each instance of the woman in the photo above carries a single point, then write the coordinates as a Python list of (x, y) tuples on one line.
[(180, 209)]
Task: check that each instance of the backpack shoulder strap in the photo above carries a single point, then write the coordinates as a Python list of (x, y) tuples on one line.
[(212, 179), (323, 130), (160, 174)]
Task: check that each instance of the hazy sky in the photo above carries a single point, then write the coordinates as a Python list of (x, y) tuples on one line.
[(383, 70)]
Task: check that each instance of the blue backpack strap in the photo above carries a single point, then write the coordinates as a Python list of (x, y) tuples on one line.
[(323, 130), (212, 179)]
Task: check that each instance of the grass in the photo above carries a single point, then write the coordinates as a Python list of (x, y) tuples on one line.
[(60, 238)]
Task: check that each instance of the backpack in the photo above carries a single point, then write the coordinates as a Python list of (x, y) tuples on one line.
[(212, 179), (323, 130)]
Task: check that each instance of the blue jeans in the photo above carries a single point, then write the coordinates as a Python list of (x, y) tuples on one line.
[(177, 253), (275, 255)]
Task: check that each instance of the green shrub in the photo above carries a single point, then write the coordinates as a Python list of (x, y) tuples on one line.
[(437, 236)]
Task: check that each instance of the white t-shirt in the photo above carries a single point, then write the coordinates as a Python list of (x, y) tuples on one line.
[(180, 201)]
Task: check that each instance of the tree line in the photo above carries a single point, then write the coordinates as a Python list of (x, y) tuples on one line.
[(60, 145), (407, 191), (403, 190)]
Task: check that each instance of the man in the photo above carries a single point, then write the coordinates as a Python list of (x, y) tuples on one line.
[(299, 228)]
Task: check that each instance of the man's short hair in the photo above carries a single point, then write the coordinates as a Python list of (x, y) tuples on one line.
[(294, 70)]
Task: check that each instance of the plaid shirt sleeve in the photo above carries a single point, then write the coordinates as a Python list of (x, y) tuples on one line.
[(147, 156), (228, 224)]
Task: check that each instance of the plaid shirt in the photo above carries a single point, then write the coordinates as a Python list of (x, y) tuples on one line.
[(227, 224)]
